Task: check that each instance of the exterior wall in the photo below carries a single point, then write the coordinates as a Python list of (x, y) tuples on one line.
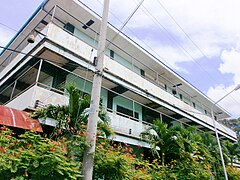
[(80, 48), (126, 126), (138, 81), (28, 98), (77, 46)]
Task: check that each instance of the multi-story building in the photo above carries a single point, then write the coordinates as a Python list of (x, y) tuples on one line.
[(58, 44)]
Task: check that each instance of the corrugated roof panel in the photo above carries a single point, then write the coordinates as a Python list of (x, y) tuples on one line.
[(19, 119)]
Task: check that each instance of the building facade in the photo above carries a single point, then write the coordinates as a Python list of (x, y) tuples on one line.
[(58, 45)]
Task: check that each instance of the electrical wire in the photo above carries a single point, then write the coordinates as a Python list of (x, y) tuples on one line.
[(150, 48), (156, 21), (140, 93), (8, 27), (77, 76), (74, 65), (195, 44), (119, 30), (124, 24)]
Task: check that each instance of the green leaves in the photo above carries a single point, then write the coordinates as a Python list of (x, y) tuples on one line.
[(31, 154), (35, 163), (181, 150), (181, 153)]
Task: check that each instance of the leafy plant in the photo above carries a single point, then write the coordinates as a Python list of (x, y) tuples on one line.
[(33, 157)]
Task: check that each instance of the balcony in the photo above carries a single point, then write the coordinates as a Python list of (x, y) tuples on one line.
[(40, 93), (70, 46), (32, 87), (37, 95), (83, 44)]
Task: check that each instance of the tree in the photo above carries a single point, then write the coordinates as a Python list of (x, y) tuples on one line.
[(234, 124), (180, 153), (180, 150), (233, 151), (72, 122), (72, 117)]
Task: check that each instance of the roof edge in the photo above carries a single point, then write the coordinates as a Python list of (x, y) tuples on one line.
[(23, 27)]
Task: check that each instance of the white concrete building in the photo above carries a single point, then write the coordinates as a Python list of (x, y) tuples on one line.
[(137, 88)]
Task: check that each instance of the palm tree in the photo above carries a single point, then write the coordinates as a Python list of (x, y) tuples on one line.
[(166, 143), (176, 142), (72, 117), (233, 151)]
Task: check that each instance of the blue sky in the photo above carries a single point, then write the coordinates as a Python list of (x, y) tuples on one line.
[(200, 40)]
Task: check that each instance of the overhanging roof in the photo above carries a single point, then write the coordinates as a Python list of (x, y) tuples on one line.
[(19, 119)]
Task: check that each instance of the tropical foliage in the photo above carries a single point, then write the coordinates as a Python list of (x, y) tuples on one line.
[(31, 156), (177, 152), (195, 154), (233, 124), (180, 149)]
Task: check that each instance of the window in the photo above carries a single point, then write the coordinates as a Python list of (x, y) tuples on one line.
[(194, 105), (149, 115), (111, 54), (165, 86), (127, 112), (205, 111), (142, 72), (69, 27), (181, 97)]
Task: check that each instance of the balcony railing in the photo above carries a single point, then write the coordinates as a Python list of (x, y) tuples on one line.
[(150, 75), (122, 57)]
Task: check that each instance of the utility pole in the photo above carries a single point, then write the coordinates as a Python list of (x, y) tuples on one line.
[(216, 130), (88, 159)]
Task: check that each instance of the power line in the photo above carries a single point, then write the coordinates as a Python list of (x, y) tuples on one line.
[(169, 35), (37, 57), (8, 27), (171, 38), (195, 44), (127, 20), (117, 34), (129, 98), (165, 9), (156, 21), (140, 93)]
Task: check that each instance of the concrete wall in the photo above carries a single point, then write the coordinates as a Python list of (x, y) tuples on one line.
[(126, 126), (28, 98), (77, 46), (82, 49), (126, 74)]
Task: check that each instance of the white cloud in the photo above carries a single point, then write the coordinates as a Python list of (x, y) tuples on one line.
[(231, 103), (230, 65), (211, 24)]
